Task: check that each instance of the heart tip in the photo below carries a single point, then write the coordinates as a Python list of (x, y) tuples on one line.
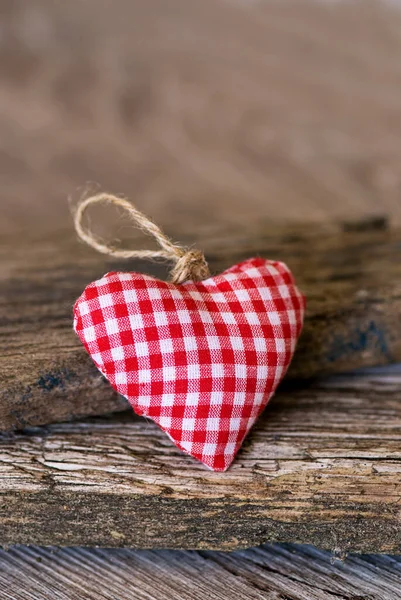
[(217, 469)]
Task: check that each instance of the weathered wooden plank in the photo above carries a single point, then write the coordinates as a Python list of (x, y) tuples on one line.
[(322, 466), (351, 279), (276, 572), (261, 111)]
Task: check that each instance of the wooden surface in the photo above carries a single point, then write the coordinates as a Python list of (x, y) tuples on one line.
[(227, 110), (322, 466), (351, 280), (285, 572), (266, 109)]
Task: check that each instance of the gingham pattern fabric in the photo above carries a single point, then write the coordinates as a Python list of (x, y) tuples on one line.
[(201, 359)]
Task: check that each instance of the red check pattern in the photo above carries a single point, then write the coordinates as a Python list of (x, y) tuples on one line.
[(201, 359)]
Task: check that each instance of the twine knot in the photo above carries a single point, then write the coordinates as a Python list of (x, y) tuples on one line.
[(190, 265)]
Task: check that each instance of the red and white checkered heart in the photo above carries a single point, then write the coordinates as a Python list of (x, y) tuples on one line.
[(201, 359)]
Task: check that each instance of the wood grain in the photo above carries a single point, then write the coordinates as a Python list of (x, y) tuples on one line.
[(277, 572), (351, 280), (227, 110), (322, 466), (289, 109)]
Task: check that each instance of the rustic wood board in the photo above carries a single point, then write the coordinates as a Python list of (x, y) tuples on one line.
[(322, 466), (227, 109), (277, 572), (352, 279)]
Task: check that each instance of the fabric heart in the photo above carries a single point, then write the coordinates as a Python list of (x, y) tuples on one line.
[(201, 359)]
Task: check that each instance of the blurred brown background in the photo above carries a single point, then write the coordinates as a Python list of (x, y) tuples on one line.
[(222, 110)]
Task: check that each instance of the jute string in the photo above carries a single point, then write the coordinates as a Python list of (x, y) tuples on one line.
[(189, 265)]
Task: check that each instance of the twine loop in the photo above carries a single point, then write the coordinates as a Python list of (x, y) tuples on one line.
[(189, 264)]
